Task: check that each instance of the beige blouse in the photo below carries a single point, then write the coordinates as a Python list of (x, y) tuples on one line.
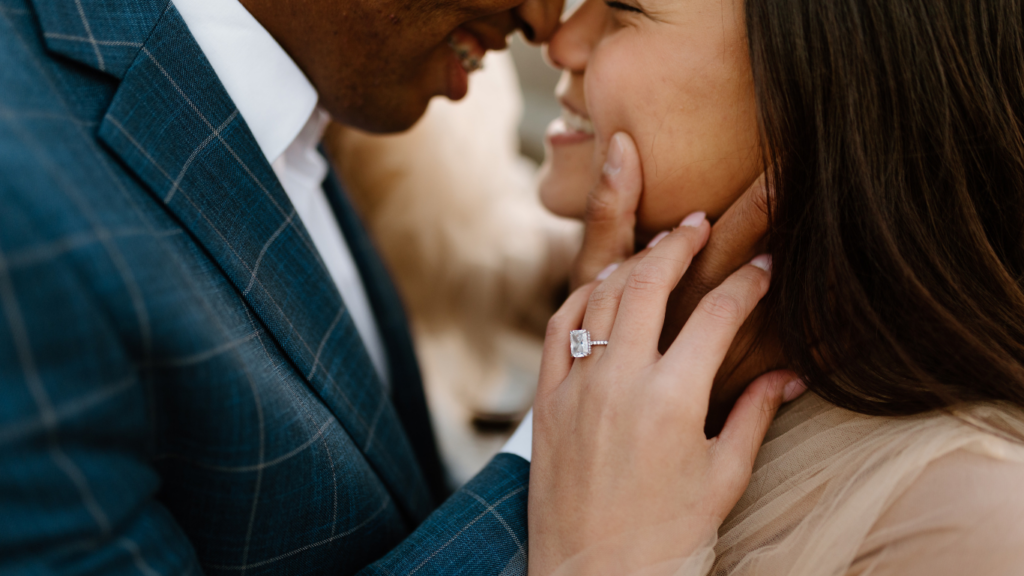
[(839, 493)]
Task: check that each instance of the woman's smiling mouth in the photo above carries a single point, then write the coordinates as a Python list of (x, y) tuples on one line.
[(570, 128)]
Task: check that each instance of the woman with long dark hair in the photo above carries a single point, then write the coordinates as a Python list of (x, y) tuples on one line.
[(889, 135)]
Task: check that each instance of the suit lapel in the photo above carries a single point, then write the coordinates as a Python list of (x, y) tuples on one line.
[(407, 384), (103, 34), (172, 123)]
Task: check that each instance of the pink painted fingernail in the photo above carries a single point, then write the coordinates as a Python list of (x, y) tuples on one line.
[(613, 163), (764, 262), (694, 220), (607, 271), (793, 390), (654, 241)]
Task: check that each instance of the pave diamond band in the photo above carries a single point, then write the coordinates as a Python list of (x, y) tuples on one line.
[(580, 343)]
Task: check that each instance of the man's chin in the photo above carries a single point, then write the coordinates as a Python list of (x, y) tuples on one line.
[(379, 117)]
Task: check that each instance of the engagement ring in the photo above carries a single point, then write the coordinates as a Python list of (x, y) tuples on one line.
[(580, 343)]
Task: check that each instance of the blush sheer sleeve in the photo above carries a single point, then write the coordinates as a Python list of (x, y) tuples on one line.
[(838, 493), (963, 515)]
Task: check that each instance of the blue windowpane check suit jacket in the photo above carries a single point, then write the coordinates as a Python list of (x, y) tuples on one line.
[(181, 387)]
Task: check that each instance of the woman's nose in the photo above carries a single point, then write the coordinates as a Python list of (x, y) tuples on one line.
[(569, 49)]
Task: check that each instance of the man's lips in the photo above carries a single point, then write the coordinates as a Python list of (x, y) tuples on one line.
[(469, 43), (467, 54), (467, 48), (489, 37)]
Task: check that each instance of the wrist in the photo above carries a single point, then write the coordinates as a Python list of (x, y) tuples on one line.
[(677, 548)]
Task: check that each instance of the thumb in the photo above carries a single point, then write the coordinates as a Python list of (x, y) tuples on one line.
[(611, 211), (744, 431)]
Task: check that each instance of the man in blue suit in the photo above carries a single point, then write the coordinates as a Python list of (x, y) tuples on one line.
[(203, 365)]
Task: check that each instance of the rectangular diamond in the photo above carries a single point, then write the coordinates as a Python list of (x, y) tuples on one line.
[(579, 343)]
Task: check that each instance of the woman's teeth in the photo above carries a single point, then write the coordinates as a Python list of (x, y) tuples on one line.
[(577, 123), (468, 51)]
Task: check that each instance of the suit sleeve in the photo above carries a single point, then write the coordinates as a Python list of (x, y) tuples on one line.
[(77, 495), (479, 530)]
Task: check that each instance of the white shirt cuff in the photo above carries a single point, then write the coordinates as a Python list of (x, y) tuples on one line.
[(521, 442)]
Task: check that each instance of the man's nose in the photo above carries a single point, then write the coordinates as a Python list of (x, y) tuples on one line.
[(539, 19)]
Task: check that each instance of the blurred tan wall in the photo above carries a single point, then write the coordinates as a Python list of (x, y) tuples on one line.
[(539, 105)]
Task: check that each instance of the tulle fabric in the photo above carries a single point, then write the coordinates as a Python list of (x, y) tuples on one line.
[(825, 475)]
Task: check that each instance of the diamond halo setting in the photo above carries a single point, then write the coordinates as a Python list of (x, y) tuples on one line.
[(580, 344)]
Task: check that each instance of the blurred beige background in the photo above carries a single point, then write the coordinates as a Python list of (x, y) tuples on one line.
[(537, 80)]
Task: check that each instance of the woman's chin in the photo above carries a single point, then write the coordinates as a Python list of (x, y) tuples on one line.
[(566, 178), (562, 193)]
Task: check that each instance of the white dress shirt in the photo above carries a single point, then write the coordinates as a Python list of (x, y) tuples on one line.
[(521, 442), (279, 105)]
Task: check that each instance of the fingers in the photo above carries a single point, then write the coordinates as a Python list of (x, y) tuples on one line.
[(735, 239), (603, 305), (744, 430), (556, 360), (703, 342), (611, 212), (641, 312), (643, 284)]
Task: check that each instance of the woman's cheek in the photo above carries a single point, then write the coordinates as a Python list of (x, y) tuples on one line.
[(664, 205), (698, 148), (679, 110), (673, 157), (614, 92), (702, 184)]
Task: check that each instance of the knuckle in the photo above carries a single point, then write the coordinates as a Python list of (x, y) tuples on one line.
[(602, 299), (707, 272), (698, 282), (760, 201), (601, 207), (647, 277), (703, 283), (723, 306)]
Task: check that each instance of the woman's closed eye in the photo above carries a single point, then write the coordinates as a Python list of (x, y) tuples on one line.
[(628, 11), (622, 6)]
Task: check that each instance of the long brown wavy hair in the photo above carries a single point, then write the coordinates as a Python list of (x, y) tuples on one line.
[(893, 135)]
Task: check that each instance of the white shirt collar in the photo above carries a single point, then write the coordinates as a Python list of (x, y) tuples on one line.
[(274, 97)]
